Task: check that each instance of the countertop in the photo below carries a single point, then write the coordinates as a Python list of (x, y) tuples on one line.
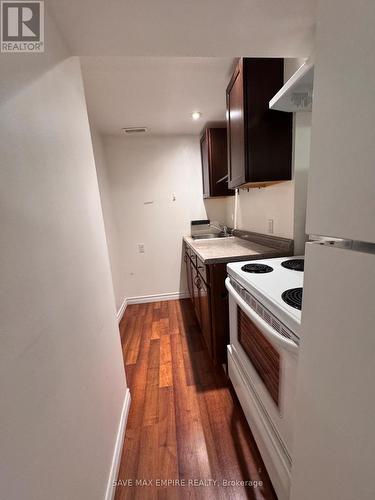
[(231, 249)]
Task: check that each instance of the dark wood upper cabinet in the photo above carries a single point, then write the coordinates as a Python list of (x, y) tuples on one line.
[(236, 129), (214, 163), (259, 139)]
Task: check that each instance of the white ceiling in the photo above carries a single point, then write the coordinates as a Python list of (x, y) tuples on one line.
[(221, 28), (157, 93)]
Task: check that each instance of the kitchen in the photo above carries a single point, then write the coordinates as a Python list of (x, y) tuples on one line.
[(156, 219), (210, 196)]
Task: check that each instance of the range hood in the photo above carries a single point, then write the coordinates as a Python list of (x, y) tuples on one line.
[(297, 93)]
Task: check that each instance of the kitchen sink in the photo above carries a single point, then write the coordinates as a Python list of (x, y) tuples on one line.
[(209, 236)]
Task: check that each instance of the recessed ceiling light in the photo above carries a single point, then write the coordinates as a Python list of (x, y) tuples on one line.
[(196, 115)]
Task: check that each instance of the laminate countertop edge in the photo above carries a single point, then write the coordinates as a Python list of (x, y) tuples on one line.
[(255, 250)]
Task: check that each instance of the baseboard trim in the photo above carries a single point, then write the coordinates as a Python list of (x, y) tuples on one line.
[(157, 298), (121, 311), (116, 459)]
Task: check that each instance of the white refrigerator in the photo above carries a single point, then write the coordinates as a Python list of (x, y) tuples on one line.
[(334, 440)]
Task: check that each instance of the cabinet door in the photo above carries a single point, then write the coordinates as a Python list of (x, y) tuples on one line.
[(205, 165), (268, 133), (205, 313), (188, 275), (196, 292), (218, 156), (235, 129)]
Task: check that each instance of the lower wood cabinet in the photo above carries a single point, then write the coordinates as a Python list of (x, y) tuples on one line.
[(195, 295), (206, 285), (189, 276), (205, 312)]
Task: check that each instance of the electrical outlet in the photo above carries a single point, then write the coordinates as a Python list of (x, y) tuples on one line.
[(270, 226), (141, 248)]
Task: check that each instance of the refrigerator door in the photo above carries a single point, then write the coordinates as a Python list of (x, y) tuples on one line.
[(334, 440), (341, 200)]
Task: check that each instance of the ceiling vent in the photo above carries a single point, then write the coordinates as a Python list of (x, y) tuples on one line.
[(134, 130)]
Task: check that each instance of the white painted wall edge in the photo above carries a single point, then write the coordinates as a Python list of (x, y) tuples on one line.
[(121, 311), (113, 473), (157, 298)]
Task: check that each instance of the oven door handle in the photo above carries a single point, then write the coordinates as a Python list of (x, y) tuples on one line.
[(272, 335)]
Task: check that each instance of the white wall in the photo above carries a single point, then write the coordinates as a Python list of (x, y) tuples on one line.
[(256, 206), (291, 65), (62, 382), (143, 174), (302, 140), (111, 231)]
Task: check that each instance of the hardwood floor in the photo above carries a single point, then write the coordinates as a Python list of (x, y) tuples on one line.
[(185, 422)]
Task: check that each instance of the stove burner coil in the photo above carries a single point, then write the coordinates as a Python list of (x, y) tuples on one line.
[(294, 264), (293, 297), (257, 268)]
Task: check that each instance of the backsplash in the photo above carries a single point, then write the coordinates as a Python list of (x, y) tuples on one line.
[(257, 207)]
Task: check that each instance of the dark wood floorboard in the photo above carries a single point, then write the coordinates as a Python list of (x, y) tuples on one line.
[(185, 422)]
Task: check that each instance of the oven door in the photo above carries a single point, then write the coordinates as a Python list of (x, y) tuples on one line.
[(262, 366)]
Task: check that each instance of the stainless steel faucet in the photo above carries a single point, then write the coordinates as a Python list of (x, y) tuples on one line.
[(222, 228)]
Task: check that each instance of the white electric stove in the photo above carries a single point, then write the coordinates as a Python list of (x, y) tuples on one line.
[(265, 301)]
